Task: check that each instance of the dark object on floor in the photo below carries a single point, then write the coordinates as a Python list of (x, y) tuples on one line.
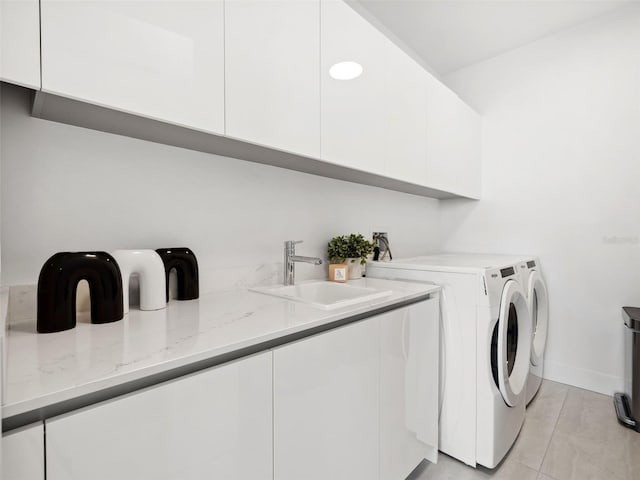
[(628, 404), (58, 283), (185, 263)]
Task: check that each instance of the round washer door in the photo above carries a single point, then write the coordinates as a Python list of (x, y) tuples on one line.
[(514, 343), (539, 313)]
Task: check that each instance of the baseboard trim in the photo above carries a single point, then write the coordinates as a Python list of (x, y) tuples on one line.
[(583, 378)]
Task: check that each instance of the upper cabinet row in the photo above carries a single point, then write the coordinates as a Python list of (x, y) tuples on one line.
[(158, 59), (20, 42), (261, 71)]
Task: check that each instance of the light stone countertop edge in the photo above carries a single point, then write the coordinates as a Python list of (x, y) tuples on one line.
[(45, 369)]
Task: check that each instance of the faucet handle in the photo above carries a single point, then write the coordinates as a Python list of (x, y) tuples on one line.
[(292, 242)]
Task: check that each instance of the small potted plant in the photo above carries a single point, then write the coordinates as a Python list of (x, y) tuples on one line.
[(350, 249)]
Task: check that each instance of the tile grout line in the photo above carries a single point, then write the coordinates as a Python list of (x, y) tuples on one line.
[(553, 432)]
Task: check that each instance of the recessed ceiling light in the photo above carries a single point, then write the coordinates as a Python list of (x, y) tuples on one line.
[(345, 70)]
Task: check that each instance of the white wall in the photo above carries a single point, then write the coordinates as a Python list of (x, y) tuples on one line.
[(561, 179), (67, 188)]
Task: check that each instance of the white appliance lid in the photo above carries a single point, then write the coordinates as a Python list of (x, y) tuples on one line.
[(452, 262)]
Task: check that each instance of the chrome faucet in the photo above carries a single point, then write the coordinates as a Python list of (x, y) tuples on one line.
[(290, 259)]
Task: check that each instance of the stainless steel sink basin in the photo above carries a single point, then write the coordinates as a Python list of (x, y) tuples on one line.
[(325, 295)]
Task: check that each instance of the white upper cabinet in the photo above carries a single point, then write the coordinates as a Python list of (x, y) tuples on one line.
[(273, 73), (375, 122), (267, 72), (162, 60), (454, 142), (212, 424), (407, 129), (355, 115), (20, 42)]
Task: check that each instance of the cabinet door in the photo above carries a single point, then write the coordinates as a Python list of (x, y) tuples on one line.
[(273, 73), (355, 113), (409, 340), (326, 405), (162, 60), (377, 121), (20, 42), (23, 454), (212, 424), (454, 142), (407, 130)]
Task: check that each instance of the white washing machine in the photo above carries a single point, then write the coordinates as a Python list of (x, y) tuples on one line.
[(485, 351), (535, 289)]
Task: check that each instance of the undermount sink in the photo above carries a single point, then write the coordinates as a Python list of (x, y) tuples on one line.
[(323, 294)]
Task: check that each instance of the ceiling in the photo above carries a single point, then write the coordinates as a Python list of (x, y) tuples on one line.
[(452, 34)]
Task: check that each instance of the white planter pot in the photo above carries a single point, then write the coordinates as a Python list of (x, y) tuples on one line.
[(355, 269)]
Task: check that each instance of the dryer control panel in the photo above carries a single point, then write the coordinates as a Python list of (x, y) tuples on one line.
[(494, 281), (507, 272)]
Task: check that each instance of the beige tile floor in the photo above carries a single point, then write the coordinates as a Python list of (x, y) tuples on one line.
[(568, 434)]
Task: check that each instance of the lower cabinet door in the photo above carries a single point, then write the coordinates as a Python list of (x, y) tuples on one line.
[(326, 405), (211, 424), (23, 453), (409, 340)]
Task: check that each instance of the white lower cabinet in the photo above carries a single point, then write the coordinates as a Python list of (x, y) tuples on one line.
[(360, 401), (326, 405), (211, 424), (355, 402), (23, 453), (409, 341)]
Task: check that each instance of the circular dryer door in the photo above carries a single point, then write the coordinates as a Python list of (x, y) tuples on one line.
[(513, 343), (539, 312)]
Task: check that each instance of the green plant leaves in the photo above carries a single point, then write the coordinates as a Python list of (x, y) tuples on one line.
[(349, 246)]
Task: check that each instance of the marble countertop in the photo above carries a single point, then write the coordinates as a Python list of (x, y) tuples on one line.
[(46, 369)]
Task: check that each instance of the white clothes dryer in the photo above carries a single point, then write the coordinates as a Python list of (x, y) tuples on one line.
[(538, 299), (485, 351)]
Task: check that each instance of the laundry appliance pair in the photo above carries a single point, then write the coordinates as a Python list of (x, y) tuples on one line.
[(494, 326)]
